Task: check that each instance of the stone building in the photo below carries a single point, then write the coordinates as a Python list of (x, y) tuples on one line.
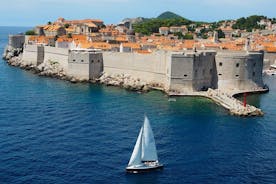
[(191, 71), (54, 30), (86, 28), (164, 31), (85, 64), (239, 70), (16, 41)]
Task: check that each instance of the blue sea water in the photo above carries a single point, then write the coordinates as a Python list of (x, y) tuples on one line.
[(52, 131)]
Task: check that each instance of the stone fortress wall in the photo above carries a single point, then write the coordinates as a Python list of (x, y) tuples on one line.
[(150, 68), (85, 65), (174, 71), (57, 55), (16, 41), (269, 59), (239, 70), (194, 70)]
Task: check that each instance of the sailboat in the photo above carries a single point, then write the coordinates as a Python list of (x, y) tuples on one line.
[(144, 156)]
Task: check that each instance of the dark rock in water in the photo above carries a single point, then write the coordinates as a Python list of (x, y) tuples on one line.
[(73, 80)]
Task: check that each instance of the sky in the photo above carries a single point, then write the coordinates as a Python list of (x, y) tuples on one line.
[(37, 12)]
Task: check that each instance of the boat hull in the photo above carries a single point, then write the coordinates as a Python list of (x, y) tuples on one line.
[(144, 169)]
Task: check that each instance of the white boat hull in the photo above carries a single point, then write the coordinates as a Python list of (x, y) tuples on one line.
[(144, 168)]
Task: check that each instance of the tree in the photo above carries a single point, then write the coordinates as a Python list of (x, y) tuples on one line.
[(49, 23), (248, 23), (56, 37), (179, 35), (152, 25), (221, 34), (30, 32), (66, 25), (188, 37), (69, 35)]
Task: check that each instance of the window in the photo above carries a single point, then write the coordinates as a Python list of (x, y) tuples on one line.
[(82, 60), (185, 75), (254, 64), (253, 74), (74, 60), (211, 71), (98, 61), (237, 65), (220, 64), (237, 76), (220, 74), (203, 72), (92, 61)]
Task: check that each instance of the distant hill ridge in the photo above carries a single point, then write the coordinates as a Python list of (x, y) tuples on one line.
[(169, 15)]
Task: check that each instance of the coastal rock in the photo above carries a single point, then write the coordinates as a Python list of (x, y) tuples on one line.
[(125, 81), (11, 52)]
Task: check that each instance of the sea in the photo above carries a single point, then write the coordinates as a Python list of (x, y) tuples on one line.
[(54, 131)]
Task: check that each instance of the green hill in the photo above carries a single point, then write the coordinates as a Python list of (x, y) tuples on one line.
[(169, 15)]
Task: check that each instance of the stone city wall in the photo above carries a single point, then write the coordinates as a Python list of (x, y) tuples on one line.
[(239, 70), (269, 59), (191, 71), (30, 54), (85, 65), (150, 68), (58, 55), (16, 41), (179, 71)]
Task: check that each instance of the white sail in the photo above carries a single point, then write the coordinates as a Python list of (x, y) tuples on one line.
[(148, 143), (135, 158)]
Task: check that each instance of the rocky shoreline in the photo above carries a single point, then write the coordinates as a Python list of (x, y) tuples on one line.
[(52, 69)]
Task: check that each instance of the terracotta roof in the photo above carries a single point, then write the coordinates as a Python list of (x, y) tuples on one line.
[(143, 51), (51, 27), (91, 24), (83, 21), (132, 45)]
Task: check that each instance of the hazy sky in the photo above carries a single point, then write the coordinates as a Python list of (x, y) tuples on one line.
[(33, 12)]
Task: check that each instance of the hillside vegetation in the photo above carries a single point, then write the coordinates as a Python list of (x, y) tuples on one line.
[(169, 15), (166, 19), (249, 23)]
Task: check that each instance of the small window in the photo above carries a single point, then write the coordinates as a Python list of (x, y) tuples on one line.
[(82, 60), (211, 71), (185, 75), (253, 74), (254, 64), (92, 61), (220, 64), (74, 60), (203, 72), (98, 61), (237, 65), (237, 76), (220, 74)]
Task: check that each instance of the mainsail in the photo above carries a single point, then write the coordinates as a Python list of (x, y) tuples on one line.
[(149, 152), (135, 158)]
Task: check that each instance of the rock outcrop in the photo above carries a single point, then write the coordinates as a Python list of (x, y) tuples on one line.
[(13, 56), (126, 81), (11, 52)]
